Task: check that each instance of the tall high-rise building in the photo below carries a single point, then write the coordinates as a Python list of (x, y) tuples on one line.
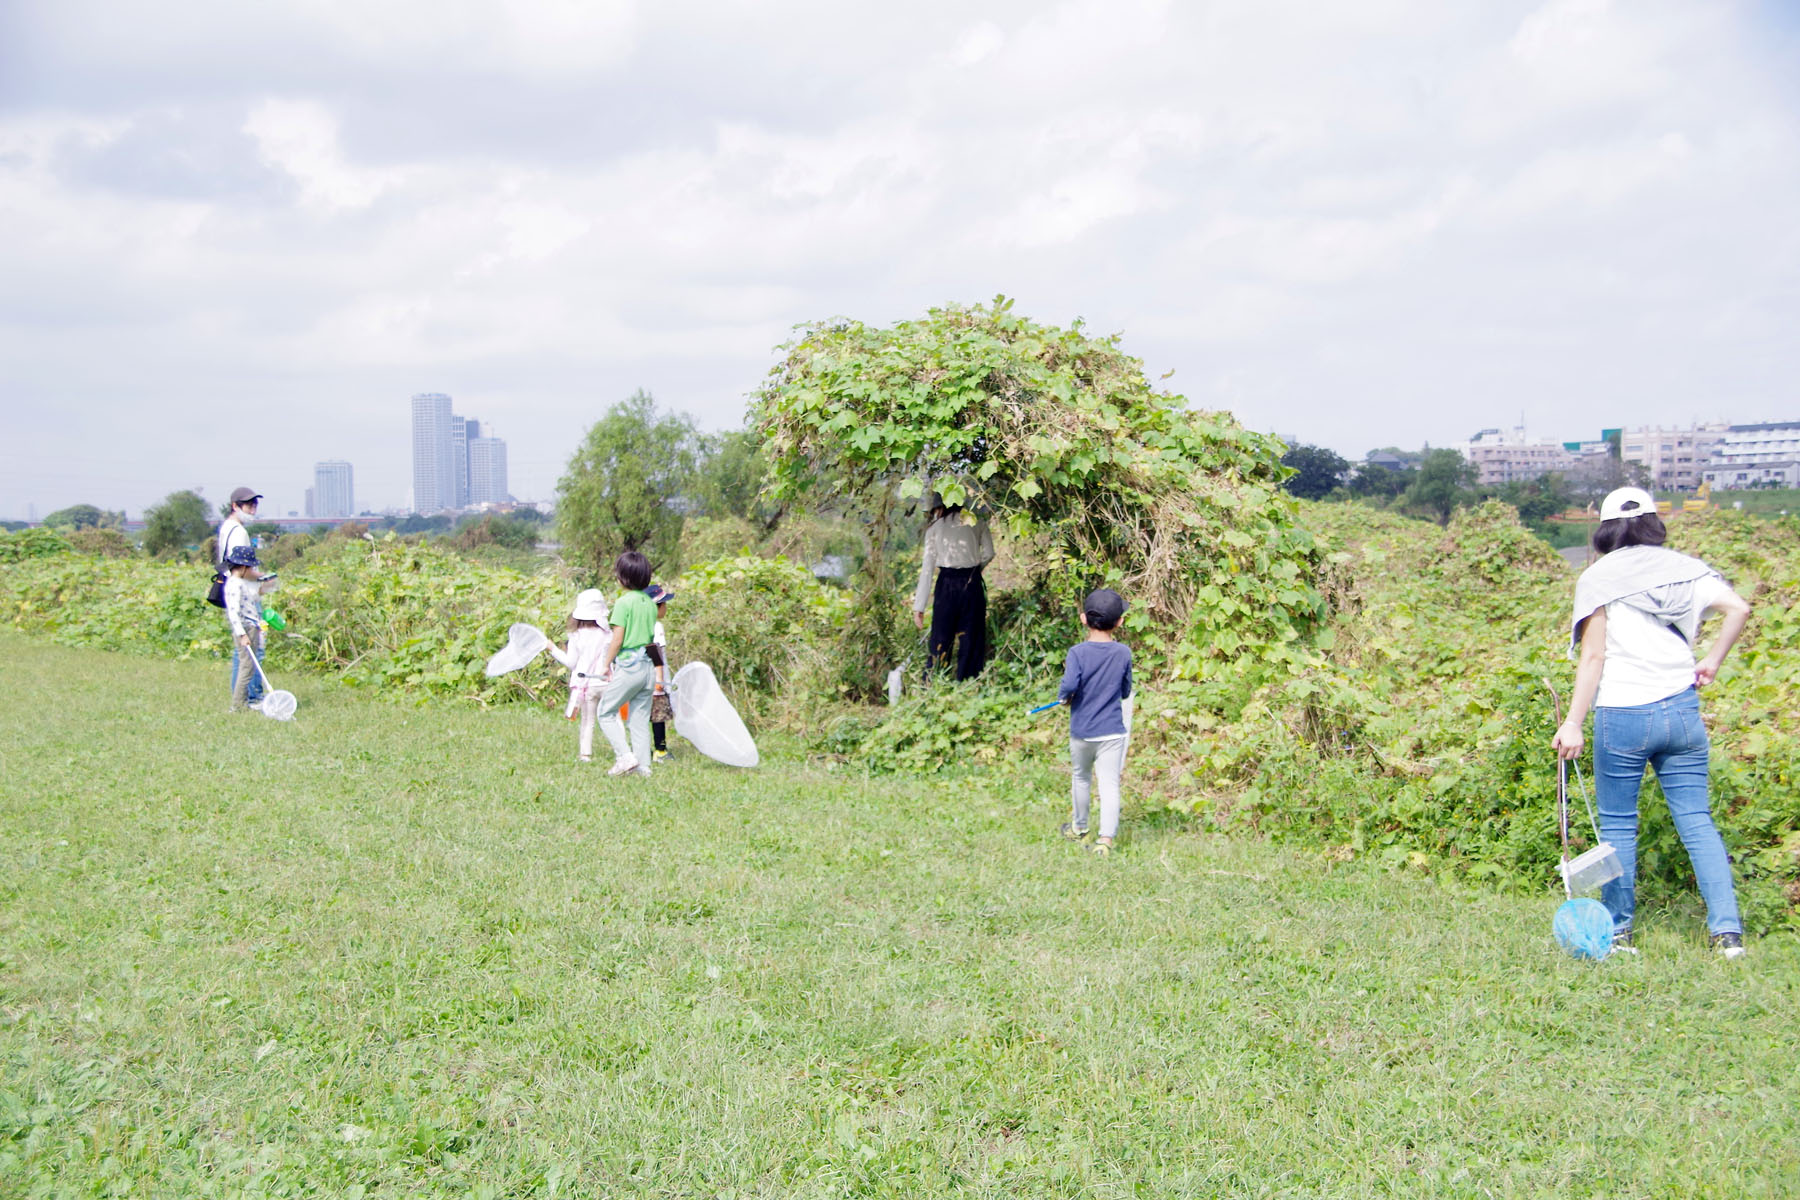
[(462, 432), (311, 504), (333, 492), (487, 470), (434, 453)]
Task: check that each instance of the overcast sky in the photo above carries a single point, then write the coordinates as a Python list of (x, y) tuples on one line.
[(237, 237)]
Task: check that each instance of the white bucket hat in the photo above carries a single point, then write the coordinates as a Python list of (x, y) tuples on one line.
[(1626, 502), (590, 606)]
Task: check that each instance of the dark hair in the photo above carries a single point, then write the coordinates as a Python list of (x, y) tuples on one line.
[(1645, 529), (582, 623), (633, 570), (1094, 621)]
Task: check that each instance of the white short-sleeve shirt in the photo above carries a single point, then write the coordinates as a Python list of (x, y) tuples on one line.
[(1646, 660)]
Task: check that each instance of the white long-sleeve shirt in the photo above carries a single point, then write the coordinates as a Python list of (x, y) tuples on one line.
[(243, 606), (586, 648), (956, 540)]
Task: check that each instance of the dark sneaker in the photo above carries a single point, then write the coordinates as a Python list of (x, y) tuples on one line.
[(1069, 831), (1728, 945), (1621, 943)]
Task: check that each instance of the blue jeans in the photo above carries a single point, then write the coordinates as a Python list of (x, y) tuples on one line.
[(254, 692), (1670, 736)]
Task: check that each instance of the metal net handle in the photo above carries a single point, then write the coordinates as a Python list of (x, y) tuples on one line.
[(1587, 801)]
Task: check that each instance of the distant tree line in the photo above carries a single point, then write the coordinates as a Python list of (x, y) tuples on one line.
[(1435, 483)]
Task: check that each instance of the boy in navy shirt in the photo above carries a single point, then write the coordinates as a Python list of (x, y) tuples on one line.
[(1095, 684)]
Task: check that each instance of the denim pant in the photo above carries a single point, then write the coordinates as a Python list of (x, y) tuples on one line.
[(1670, 736), (253, 691)]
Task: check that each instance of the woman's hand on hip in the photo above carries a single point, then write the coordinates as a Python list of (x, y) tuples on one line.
[(1568, 740)]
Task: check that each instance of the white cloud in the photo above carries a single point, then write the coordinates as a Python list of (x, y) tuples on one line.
[(300, 137), (978, 42), (1363, 224)]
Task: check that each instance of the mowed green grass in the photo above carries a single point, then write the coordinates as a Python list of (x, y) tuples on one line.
[(400, 951)]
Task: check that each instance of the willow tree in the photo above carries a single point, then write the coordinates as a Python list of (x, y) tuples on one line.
[(624, 487), (1060, 437)]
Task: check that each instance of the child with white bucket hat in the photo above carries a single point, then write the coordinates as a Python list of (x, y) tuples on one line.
[(588, 640)]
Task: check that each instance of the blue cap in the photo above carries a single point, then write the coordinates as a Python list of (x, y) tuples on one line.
[(1105, 608)]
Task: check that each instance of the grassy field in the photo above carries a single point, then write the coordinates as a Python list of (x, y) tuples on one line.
[(399, 951)]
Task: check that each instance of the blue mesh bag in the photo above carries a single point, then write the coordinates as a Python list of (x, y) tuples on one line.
[(1584, 928)]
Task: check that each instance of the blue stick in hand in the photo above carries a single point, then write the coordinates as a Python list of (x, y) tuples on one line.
[(1044, 708)]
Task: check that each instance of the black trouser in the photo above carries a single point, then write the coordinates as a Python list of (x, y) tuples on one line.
[(958, 621), (659, 730)]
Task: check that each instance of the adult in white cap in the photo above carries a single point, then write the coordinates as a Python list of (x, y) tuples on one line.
[(1637, 615), (958, 545), (233, 534)]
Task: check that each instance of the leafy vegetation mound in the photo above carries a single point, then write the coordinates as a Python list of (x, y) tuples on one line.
[(21, 544), (1063, 440)]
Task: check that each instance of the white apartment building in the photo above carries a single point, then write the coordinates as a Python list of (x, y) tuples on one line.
[(433, 453), (333, 493), (1675, 458), (487, 470), (1761, 455), (1510, 456)]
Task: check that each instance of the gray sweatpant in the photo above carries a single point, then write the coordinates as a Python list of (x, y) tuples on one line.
[(1105, 758), (630, 684)]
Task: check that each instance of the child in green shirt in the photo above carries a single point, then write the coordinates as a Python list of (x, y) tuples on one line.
[(626, 669)]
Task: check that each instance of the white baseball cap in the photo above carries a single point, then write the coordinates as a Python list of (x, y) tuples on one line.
[(1626, 502)]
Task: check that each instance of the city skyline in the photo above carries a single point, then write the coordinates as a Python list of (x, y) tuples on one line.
[(454, 466), (278, 504)]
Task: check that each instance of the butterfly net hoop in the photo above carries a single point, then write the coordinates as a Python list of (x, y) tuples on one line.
[(523, 643)]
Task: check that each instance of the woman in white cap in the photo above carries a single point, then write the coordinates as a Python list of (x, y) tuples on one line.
[(1637, 613), (588, 637)]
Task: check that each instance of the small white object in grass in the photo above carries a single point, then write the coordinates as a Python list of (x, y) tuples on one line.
[(279, 705), (276, 705)]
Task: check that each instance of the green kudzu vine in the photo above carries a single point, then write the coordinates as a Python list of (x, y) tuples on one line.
[(1059, 436)]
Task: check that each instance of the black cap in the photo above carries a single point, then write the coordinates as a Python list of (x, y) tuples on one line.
[(1105, 608), (245, 495)]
